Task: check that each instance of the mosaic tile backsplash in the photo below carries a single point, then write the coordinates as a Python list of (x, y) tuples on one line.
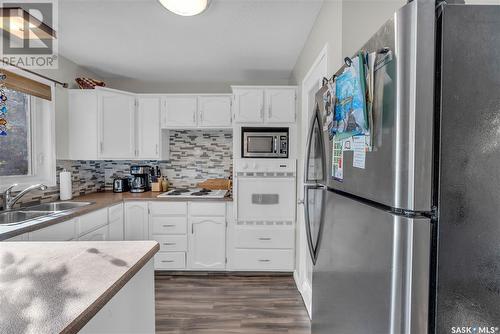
[(195, 155)]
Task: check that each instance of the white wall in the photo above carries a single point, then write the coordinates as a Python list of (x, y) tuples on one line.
[(68, 71)]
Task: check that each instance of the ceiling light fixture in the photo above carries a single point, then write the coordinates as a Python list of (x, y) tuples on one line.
[(185, 7), (16, 20)]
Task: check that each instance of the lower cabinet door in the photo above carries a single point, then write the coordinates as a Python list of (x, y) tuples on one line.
[(101, 234), (207, 243), (136, 221)]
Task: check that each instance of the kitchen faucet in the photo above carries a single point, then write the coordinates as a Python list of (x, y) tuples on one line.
[(9, 201)]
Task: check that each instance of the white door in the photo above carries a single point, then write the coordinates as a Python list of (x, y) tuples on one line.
[(310, 85), (136, 221), (115, 218), (249, 105), (207, 243), (148, 127), (280, 105), (82, 124), (116, 125), (214, 111), (180, 111), (101, 234)]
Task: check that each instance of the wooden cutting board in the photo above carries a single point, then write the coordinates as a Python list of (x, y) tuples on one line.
[(216, 184)]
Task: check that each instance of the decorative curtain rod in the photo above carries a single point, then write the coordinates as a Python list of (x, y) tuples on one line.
[(62, 84)]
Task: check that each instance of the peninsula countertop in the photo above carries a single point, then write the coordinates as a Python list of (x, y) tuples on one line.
[(99, 200), (53, 287)]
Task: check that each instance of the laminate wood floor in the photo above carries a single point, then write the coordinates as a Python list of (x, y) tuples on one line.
[(229, 304)]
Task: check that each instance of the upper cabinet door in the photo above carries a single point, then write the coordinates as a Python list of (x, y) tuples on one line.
[(214, 111), (280, 105), (116, 125), (249, 105), (148, 127), (179, 112)]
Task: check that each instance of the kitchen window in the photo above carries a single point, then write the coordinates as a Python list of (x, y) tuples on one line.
[(15, 147), (27, 152)]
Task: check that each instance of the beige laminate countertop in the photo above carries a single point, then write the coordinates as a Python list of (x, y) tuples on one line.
[(99, 200), (53, 287)]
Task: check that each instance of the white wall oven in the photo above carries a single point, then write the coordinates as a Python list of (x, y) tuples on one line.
[(265, 191)]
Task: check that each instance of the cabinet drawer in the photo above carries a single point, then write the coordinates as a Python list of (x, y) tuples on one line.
[(264, 238), (168, 208), (169, 225), (115, 213), (169, 261), (171, 243), (92, 220), (263, 259), (207, 209)]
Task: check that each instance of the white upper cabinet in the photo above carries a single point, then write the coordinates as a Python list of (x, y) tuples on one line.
[(116, 123), (214, 111), (249, 105), (196, 111), (280, 105), (179, 111), (207, 243), (82, 124), (265, 105), (148, 127)]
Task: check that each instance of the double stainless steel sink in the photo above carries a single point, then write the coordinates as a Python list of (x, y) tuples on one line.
[(23, 215)]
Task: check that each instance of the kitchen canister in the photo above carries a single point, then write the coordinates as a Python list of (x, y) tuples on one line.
[(65, 191)]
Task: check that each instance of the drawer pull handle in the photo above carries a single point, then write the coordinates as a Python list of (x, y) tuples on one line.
[(264, 260), (167, 261), (169, 225), (265, 239), (169, 243)]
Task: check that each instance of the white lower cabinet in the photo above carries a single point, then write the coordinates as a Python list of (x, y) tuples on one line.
[(207, 243), (101, 234), (115, 219), (264, 259), (136, 221), (63, 231)]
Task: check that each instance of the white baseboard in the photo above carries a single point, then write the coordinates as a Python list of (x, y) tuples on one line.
[(305, 291)]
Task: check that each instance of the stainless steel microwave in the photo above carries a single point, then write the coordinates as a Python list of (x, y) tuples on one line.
[(264, 142)]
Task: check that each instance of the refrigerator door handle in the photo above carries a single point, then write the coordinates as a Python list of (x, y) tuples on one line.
[(315, 121), (313, 249)]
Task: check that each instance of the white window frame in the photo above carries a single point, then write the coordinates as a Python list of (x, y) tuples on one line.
[(43, 147)]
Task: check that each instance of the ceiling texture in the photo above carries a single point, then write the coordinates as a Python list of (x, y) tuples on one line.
[(233, 40)]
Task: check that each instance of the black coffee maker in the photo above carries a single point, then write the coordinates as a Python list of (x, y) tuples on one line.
[(141, 178)]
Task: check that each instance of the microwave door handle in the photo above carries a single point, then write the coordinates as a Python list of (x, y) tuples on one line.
[(275, 144)]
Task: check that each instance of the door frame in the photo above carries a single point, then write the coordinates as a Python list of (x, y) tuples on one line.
[(315, 75)]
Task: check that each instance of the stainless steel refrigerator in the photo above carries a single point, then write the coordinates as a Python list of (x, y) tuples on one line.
[(411, 242)]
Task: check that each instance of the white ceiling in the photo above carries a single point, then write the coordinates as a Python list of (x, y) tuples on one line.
[(233, 41)]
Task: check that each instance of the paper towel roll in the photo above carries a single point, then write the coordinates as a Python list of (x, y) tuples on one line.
[(65, 191)]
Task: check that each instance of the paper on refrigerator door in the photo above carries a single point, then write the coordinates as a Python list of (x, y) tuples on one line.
[(359, 148)]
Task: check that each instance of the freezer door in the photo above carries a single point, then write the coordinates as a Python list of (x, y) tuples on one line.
[(372, 271), (398, 171), (468, 263)]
